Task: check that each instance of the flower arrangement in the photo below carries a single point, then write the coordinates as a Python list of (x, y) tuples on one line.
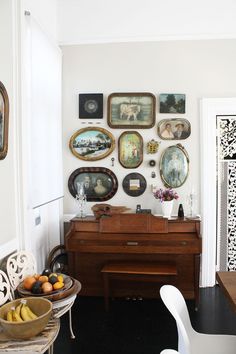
[(165, 194)]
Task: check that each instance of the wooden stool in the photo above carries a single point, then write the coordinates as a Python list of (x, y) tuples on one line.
[(133, 268)]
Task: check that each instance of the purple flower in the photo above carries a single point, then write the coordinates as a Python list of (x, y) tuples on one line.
[(165, 194)]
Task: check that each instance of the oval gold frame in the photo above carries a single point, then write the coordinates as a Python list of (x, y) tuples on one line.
[(173, 177), (5, 118), (95, 158)]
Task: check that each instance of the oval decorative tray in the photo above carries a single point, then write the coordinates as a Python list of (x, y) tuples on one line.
[(53, 295)]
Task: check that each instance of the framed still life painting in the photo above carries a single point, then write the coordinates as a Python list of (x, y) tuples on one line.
[(4, 119), (131, 110)]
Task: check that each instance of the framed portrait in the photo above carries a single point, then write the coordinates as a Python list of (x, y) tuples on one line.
[(90, 105), (134, 184), (130, 149), (174, 129), (99, 183), (172, 103), (174, 166), (4, 121), (92, 143), (131, 110)]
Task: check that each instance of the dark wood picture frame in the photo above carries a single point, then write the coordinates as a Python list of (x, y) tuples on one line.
[(108, 183), (90, 105), (174, 129), (134, 184), (131, 110), (174, 166), (130, 149), (4, 121), (92, 143), (172, 103)]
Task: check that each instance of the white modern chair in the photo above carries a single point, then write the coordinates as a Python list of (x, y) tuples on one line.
[(169, 351), (39, 344), (23, 263), (190, 341)]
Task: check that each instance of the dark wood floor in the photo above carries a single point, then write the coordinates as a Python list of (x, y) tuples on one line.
[(139, 327)]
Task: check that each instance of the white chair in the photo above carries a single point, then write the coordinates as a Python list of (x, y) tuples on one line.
[(39, 344), (23, 263), (190, 341), (169, 351)]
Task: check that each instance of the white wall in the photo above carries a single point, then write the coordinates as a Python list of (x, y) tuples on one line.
[(196, 68), (8, 222), (93, 21), (13, 209)]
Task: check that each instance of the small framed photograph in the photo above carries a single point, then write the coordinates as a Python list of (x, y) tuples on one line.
[(172, 103), (134, 184), (90, 105), (92, 143), (130, 150), (4, 118), (174, 129), (99, 183), (131, 110)]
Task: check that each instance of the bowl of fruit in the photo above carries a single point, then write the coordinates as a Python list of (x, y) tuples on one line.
[(25, 318), (52, 286)]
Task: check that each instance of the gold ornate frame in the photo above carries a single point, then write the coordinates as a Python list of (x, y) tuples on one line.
[(4, 121), (110, 143)]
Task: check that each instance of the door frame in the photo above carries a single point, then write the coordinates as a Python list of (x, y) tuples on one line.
[(209, 109)]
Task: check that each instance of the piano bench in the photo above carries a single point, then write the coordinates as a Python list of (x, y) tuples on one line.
[(151, 270)]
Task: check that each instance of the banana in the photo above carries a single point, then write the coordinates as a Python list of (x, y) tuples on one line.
[(18, 308), (24, 313), (9, 316), (16, 317), (31, 313)]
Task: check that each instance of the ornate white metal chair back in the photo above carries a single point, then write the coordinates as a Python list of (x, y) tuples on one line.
[(5, 288), (19, 266)]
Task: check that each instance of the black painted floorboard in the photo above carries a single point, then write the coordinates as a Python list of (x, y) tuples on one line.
[(138, 327)]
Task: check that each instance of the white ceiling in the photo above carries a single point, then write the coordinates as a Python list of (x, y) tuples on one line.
[(101, 21)]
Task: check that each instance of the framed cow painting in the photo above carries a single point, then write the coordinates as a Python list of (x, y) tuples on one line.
[(131, 110)]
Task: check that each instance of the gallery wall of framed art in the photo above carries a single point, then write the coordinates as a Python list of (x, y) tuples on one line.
[(127, 153)]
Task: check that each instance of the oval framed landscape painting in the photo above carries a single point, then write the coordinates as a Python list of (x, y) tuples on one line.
[(130, 149), (99, 183), (92, 143), (174, 166)]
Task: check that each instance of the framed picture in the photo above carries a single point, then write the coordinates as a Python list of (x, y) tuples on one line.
[(172, 103), (130, 149), (131, 110), (134, 184), (92, 143), (99, 183), (174, 166), (4, 121), (90, 105), (174, 129)]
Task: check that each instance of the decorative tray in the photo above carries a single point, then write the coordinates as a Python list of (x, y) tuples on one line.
[(53, 295)]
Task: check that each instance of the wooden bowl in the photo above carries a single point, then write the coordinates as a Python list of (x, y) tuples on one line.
[(27, 329)]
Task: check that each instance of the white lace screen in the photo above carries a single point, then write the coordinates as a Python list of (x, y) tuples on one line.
[(226, 192)]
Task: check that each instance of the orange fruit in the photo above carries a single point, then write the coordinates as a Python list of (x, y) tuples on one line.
[(37, 276), (28, 282), (58, 285), (47, 287), (60, 278), (43, 278)]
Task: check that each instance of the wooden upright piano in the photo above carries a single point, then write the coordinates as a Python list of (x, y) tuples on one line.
[(143, 238)]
